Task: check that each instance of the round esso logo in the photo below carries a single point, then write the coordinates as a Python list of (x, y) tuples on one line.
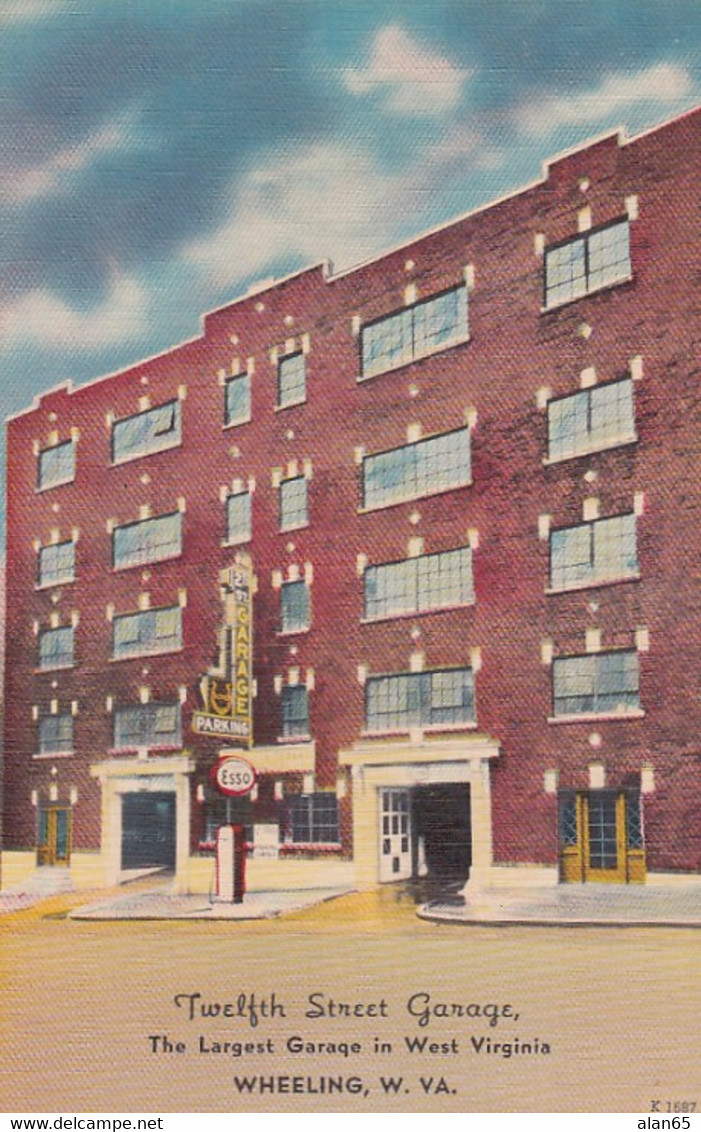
[(234, 776)]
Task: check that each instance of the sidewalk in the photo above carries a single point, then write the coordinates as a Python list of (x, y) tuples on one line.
[(574, 905), (162, 904)]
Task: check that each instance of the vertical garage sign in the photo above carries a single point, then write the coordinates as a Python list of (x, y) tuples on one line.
[(227, 699), (241, 581)]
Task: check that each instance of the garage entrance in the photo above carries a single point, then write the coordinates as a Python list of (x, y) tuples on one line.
[(148, 830), (441, 820)]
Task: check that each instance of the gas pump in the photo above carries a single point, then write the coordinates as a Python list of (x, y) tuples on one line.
[(231, 864)]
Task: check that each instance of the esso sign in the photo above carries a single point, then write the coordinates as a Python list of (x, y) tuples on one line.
[(234, 776)]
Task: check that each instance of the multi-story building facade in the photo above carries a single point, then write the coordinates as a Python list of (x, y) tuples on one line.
[(467, 476)]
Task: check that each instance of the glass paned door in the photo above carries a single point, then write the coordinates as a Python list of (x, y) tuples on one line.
[(395, 835), (601, 837), (54, 836)]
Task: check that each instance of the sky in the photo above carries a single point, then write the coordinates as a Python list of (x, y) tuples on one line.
[(157, 157)]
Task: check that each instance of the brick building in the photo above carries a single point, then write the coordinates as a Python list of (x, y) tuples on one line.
[(467, 476)]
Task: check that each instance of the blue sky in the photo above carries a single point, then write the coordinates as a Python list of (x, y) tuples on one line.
[(158, 156)]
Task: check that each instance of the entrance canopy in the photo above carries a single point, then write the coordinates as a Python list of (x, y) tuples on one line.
[(384, 768)]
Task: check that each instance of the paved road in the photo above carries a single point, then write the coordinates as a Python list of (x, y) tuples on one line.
[(86, 1007)]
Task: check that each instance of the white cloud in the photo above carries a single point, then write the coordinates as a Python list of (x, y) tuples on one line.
[(44, 319), (54, 175), (663, 85), (328, 200), (414, 79), (323, 200)]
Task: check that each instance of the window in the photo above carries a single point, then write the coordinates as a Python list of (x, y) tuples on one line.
[(589, 262), (592, 552), (220, 810), (295, 711), (56, 734), (57, 564), (150, 431), (293, 504), (291, 380), (312, 819), (414, 332), (150, 540), (423, 467), (416, 585), (420, 699), (600, 683), (147, 725), (149, 631), (238, 517), (295, 607), (57, 465), (600, 417), (237, 400), (56, 648)]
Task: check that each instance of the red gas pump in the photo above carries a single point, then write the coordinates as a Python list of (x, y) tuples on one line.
[(231, 863)]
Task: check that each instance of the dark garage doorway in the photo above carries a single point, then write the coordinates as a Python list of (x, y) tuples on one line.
[(148, 830), (442, 822)]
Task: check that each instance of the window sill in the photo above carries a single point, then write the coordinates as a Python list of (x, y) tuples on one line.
[(166, 749), (614, 580), (54, 755), (590, 717), (290, 405), (609, 286), (416, 613), (54, 668), (141, 655), (293, 632), (452, 345), (414, 498), (236, 542), (619, 442), (51, 486), (149, 562), (431, 729), (298, 527), (283, 739), (41, 586), (236, 424)]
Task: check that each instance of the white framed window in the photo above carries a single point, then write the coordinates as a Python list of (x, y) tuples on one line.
[(596, 418), (147, 632), (56, 648), (295, 606), (444, 697), (152, 430), (606, 683), (148, 725), (149, 540), (593, 552), (418, 585), (291, 380), (239, 517), (57, 564), (56, 465), (311, 819), (294, 509), (237, 400), (424, 467), (414, 332), (590, 261), (56, 734), (294, 703)]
